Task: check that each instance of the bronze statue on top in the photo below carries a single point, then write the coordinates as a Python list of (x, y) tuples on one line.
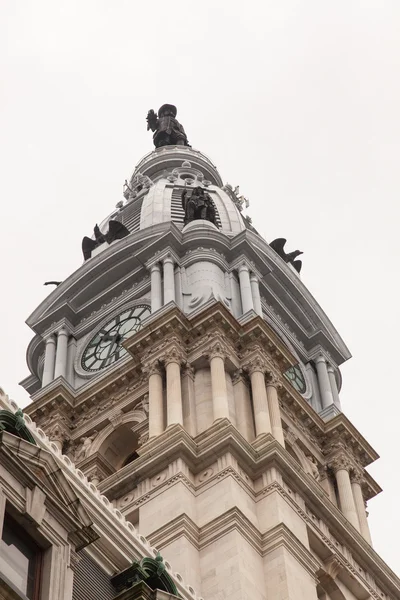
[(198, 206), (167, 130)]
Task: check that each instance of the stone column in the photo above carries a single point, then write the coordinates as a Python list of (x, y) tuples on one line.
[(274, 410), (188, 400), (334, 389), (256, 369), (217, 357), (244, 413), (323, 380), (169, 280), (62, 354), (49, 360), (156, 291), (356, 479), (156, 408), (255, 293), (172, 361), (341, 466), (245, 288)]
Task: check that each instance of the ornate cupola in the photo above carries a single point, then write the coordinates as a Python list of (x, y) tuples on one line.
[(189, 373)]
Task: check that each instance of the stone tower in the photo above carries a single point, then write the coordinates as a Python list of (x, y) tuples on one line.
[(187, 371)]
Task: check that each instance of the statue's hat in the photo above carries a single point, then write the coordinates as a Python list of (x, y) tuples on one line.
[(165, 107)]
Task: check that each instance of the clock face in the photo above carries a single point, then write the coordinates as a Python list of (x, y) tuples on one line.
[(295, 377), (105, 348)]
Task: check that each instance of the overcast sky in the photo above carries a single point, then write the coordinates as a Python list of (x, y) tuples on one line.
[(296, 101)]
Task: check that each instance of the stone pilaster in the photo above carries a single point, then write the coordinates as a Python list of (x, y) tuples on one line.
[(156, 291), (255, 292), (273, 383), (357, 479), (341, 466), (169, 279), (156, 409), (334, 388), (49, 360), (217, 355), (172, 360), (188, 400), (61, 363), (256, 368), (323, 381), (245, 288), (244, 416)]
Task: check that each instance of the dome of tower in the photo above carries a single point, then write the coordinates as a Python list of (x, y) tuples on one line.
[(153, 194)]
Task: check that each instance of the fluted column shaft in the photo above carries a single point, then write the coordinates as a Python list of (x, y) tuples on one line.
[(245, 288), (346, 498), (360, 508), (174, 392), (334, 388), (61, 354), (169, 280), (255, 293), (260, 401), (218, 386), (49, 360), (156, 411), (156, 291), (274, 410), (324, 383)]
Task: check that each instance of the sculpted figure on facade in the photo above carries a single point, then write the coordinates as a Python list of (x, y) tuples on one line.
[(83, 449), (167, 129), (198, 206), (314, 467)]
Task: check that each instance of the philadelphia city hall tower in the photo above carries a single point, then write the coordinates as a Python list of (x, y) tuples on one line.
[(185, 436)]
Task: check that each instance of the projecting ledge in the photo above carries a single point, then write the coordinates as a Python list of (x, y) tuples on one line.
[(329, 412)]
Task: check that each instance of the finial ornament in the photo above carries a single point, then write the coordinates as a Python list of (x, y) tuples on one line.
[(167, 130)]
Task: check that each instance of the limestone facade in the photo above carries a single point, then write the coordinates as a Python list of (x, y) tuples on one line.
[(217, 437)]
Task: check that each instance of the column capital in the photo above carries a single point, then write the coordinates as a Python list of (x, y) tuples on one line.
[(49, 338), (357, 475), (168, 259), (188, 370), (152, 367), (155, 267), (217, 349), (273, 379), (340, 462), (243, 267), (174, 354), (254, 277), (237, 376), (320, 359), (255, 364), (63, 331)]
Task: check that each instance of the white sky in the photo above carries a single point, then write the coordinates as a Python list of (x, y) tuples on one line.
[(297, 102)]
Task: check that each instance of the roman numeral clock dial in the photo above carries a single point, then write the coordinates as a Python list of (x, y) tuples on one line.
[(105, 348)]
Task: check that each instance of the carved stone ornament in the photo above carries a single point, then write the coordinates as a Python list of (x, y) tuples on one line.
[(256, 364), (238, 375), (357, 476), (314, 467), (152, 368), (217, 350), (340, 462), (174, 354), (144, 404), (56, 433), (83, 449), (143, 438), (274, 379)]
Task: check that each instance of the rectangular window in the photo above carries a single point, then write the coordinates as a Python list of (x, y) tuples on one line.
[(20, 559)]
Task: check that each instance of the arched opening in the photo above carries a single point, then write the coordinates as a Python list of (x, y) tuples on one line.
[(120, 447)]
